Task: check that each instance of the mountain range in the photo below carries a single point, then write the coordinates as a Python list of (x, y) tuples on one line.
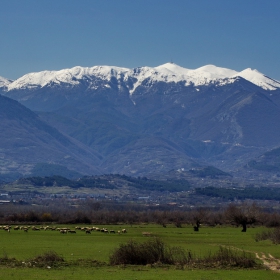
[(139, 121)]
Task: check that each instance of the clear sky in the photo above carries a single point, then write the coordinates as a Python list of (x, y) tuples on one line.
[(38, 35)]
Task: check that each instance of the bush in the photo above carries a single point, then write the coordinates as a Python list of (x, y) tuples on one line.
[(273, 235), (150, 252), (226, 257), (49, 258), (5, 260)]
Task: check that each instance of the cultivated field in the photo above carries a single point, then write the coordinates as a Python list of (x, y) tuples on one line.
[(87, 254)]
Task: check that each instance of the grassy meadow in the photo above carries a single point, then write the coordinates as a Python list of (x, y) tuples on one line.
[(82, 248)]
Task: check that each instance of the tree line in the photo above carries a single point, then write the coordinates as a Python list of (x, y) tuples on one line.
[(91, 212)]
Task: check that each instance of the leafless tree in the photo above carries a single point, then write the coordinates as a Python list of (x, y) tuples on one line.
[(199, 216), (244, 214)]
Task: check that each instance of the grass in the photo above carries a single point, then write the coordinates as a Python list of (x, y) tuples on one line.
[(139, 273), (80, 247)]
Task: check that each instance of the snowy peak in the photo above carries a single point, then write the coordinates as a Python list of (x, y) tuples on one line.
[(4, 82), (259, 79), (168, 73), (214, 72), (172, 68), (209, 74)]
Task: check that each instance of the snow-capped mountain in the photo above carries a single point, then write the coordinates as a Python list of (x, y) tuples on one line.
[(133, 78), (151, 119)]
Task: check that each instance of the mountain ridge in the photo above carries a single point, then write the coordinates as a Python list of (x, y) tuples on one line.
[(132, 78)]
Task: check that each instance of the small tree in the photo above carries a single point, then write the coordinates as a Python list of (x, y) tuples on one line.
[(198, 216), (244, 214)]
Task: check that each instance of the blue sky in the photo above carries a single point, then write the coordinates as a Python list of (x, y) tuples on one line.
[(41, 35)]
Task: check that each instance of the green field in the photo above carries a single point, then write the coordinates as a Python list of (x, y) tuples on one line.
[(80, 247)]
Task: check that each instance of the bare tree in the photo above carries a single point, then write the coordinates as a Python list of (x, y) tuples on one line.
[(243, 214), (198, 216)]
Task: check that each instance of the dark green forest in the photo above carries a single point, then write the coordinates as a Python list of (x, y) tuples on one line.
[(107, 182)]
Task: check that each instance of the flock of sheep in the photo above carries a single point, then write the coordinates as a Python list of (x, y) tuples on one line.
[(64, 230)]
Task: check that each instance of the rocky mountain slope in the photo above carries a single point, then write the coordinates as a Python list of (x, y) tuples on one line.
[(26, 141)]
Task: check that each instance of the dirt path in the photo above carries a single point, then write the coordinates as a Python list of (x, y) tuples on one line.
[(269, 261)]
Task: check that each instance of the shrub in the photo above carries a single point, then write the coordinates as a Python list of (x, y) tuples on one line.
[(49, 258), (5, 260), (273, 235), (226, 257), (150, 252)]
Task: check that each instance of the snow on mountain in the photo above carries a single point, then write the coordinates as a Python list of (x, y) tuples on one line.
[(65, 76), (168, 73), (4, 82), (213, 72), (165, 73), (259, 79), (204, 75)]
